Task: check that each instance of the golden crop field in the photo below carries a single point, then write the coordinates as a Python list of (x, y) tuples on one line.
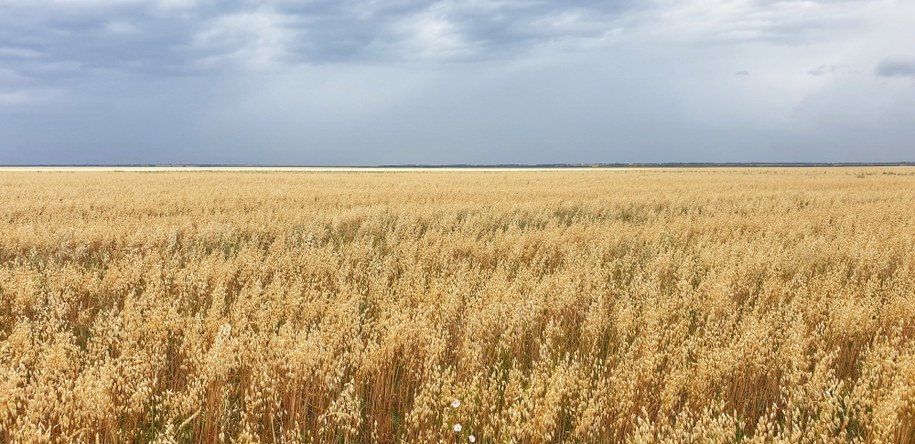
[(704, 305)]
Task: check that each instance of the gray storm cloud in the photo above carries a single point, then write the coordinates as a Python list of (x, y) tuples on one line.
[(823, 70), (896, 67), (460, 81)]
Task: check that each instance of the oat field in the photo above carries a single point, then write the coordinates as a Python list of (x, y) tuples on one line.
[(704, 305)]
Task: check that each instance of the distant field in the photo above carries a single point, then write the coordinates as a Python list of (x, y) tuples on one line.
[(642, 305), (97, 169)]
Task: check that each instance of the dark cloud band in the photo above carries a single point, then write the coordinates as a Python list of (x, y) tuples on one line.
[(896, 67)]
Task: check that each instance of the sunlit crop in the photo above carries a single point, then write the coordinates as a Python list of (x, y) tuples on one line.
[(745, 305)]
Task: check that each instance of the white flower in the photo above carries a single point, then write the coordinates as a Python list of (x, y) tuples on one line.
[(456, 403), (472, 438), (457, 427)]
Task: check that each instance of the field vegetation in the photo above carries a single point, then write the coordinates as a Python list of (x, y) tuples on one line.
[(708, 305)]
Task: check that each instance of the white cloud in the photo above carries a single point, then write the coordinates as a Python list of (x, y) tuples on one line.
[(22, 53), (8, 76), (21, 97), (69, 4), (258, 39), (120, 27), (430, 35), (736, 21), (11, 98), (178, 5)]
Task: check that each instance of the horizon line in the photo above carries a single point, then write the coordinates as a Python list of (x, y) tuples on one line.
[(580, 165)]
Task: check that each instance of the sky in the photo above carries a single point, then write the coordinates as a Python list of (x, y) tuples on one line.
[(374, 82)]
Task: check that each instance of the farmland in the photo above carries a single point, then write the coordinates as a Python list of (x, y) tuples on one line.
[(680, 305)]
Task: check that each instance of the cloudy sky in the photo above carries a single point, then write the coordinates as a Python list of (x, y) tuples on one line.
[(365, 82)]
